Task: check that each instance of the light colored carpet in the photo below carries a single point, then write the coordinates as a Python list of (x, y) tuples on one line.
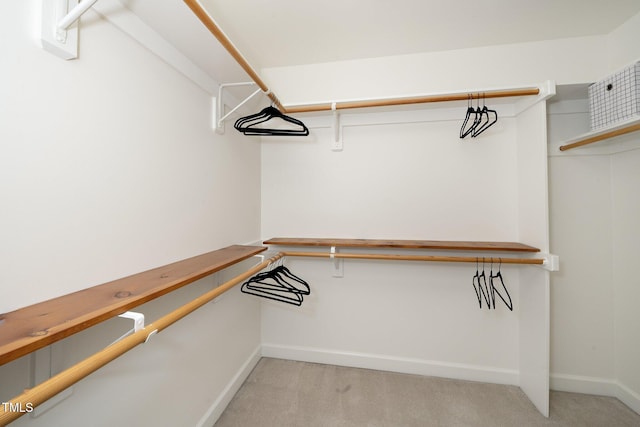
[(284, 393)]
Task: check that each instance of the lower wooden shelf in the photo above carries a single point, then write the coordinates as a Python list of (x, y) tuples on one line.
[(404, 244), (27, 329)]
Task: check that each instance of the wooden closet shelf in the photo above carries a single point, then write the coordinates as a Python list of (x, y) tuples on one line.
[(27, 329), (404, 244)]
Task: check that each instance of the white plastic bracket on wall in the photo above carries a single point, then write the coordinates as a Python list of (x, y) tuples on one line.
[(218, 104), (551, 262), (337, 263), (138, 324), (58, 33), (336, 144), (138, 319)]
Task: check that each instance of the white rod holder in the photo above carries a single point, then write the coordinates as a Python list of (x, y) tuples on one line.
[(138, 323), (218, 118), (551, 262), (138, 319), (233, 110), (336, 144), (74, 14), (338, 263)]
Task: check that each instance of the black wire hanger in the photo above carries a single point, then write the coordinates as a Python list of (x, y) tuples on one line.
[(277, 284), (254, 124), (495, 292), (490, 121), (464, 131), (477, 120), (480, 286)]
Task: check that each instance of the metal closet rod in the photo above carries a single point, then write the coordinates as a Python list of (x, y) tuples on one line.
[(65, 379), (204, 17), (433, 258)]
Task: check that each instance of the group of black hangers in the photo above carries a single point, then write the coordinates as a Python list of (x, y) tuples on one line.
[(254, 124), (477, 120), (278, 284), (488, 291)]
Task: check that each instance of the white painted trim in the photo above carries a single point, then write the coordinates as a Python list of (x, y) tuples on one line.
[(628, 397), (583, 384), (220, 404), (393, 364), (596, 386)]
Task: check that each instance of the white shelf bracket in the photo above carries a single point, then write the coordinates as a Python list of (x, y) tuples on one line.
[(138, 319), (218, 104), (138, 323), (337, 263), (58, 34), (551, 262), (336, 144)]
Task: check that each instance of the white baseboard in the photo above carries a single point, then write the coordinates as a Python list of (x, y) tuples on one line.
[(582, 384), (596, 386), (216, 409), (393, 364), (628, 397)]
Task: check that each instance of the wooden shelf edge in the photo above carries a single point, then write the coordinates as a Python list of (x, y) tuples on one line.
[(404, 244), (30, 328)]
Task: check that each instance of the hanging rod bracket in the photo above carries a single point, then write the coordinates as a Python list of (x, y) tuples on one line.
[(58, 33), (337, 263), (336, 144), (551, 262), (138, 319), (219, 105), (138, 323)]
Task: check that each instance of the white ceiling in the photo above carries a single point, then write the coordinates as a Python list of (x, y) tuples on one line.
[(274, 33)]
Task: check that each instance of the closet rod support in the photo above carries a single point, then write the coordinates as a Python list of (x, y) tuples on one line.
[(338, 263), (551, 262), (218, 124), (74, 15), (336, 145), (138, 323), (138, 319)]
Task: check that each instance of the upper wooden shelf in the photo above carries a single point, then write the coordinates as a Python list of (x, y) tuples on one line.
[(404, 244), (27, 329)]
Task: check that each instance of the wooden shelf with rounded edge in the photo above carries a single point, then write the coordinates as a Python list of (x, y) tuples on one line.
[(404, 244), (30, 328)]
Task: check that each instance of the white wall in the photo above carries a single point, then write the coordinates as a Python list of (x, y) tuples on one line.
[(125, 174), (622, 45), (109, 167), (566, 61), (582, 342), (594, 227), (626, 245), (525, 64), (407, 180), (586, 354), (109, 158), (393, 180)]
